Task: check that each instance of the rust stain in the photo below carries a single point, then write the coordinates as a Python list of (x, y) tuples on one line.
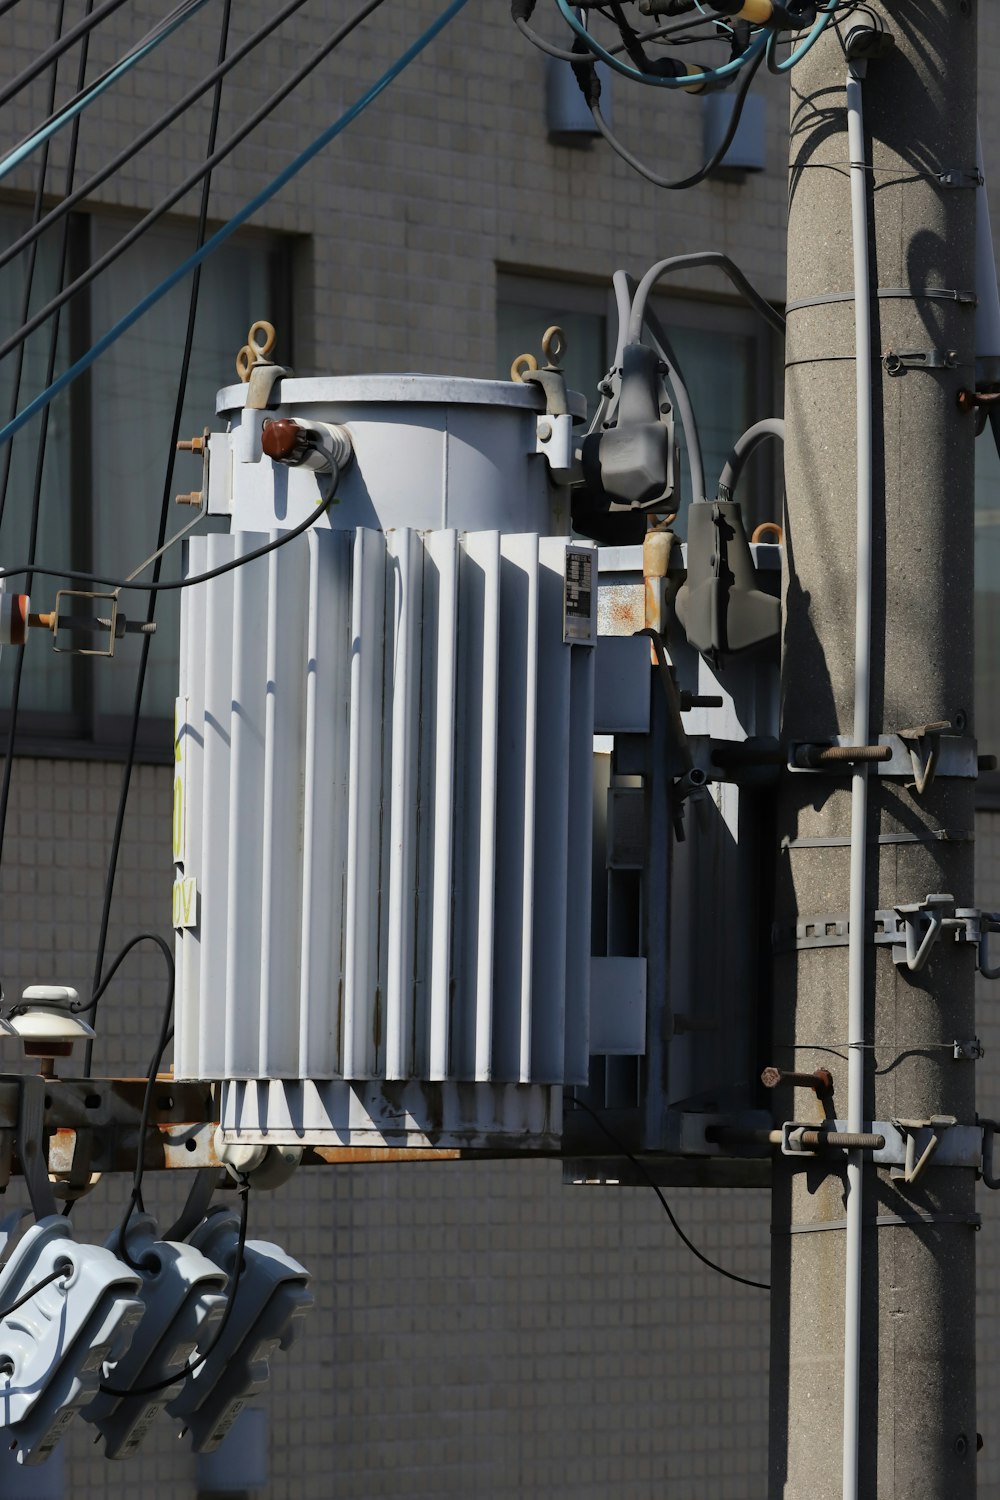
[(345, 1155)]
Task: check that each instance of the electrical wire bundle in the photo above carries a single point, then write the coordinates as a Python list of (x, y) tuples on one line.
[(750, 30), (37, 142), (36, 145)]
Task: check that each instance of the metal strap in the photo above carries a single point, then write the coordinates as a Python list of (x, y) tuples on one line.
[(932, 836), (887, 1221), (946, 177), (931, 293), (832, 930)]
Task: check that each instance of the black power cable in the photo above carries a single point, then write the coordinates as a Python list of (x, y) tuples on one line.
[(175, 427), (234, 1286), (258, 117), (163, 1042), (761, 1286), (592, 95), (67, 204), (59, 1274), (29, 282), (77, 576), (43, 430), (59, 46)]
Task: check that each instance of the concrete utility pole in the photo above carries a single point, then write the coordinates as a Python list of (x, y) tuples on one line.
[(916, 1400)]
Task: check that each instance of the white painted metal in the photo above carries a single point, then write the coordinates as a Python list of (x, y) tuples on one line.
[(388, 812), (442, 554), (429, 452), (246, 806), (407, 576)]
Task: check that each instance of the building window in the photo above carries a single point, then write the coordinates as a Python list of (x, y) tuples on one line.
[(728, 357), (106, 454)]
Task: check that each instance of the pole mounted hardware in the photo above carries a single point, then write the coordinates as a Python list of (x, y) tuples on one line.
[(926, 921), (928, 1135), (959, 177), (809, 1140), (924, 745), (905, 1146), (917, 755), (898, 361), (834, 757), (912, 929), (821, 1081)]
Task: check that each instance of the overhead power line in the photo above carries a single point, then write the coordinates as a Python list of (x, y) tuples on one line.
[(87, 96), (229, 228)]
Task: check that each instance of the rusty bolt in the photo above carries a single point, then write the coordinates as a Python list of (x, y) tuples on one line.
[(821, 1082), (194, 498), (814, 756), (844, 1140), (191, 445)]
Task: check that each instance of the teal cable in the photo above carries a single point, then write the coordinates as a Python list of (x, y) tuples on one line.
[(711, 75), (821, 23), (87, 97), (683, 81), (221, 235)]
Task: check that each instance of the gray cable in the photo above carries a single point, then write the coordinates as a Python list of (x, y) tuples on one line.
[(690, 263), (770, 427), (685, 410)]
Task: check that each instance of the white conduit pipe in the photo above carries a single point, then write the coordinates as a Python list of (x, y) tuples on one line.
[(859, 780)]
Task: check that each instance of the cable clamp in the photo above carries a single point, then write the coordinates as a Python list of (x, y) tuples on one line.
[(898, 361), (959, 177)]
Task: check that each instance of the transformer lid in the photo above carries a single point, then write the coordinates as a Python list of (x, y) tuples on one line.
[(425, 390)]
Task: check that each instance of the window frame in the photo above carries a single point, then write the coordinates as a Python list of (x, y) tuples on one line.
[(82, 732)]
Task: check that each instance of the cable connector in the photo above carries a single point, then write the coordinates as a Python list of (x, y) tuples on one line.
[(868, 43), (272, 1300), (320, 446), (54, 1340), (183, 1293)]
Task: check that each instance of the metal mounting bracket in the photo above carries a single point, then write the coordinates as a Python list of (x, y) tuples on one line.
[(898, 361), (924, 745), (31, 1144), (912, 929), (955, 754), (923, 923), (908, 1146), (928, 1134), (979, 925)]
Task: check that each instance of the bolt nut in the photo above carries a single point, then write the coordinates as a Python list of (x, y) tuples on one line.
[(194, 498), (544, 431), (191, 445)]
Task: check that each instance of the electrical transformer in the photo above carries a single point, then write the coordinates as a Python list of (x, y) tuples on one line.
[(383, 770)]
